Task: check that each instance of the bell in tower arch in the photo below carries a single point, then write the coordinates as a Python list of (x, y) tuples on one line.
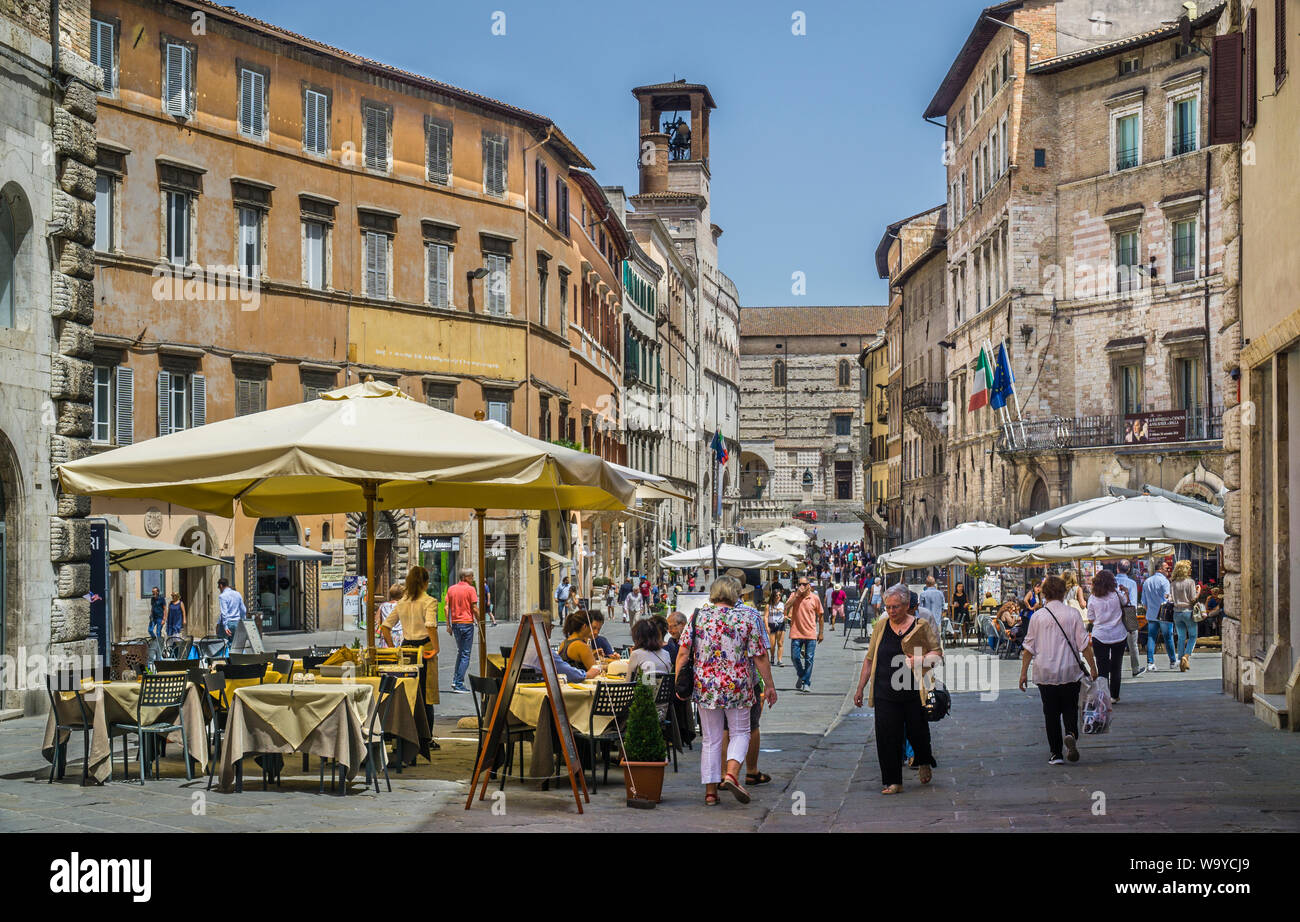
[(679, 138)]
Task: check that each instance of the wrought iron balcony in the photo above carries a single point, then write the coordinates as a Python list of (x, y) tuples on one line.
[(925, 396), (1155, 428)]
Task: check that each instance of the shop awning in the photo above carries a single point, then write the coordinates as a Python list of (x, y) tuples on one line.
[(292, 552), (561, 560)]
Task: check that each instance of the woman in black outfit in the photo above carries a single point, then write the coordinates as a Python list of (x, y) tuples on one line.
[(897, 640)]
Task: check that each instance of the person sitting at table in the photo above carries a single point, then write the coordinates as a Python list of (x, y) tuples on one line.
[(960, 604), (418, 614), (597, 642), (676, 623), (572, 673), (648, 654), (576, 649)]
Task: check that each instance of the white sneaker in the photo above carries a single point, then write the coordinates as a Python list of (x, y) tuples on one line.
[(1151, 667), (1055, 760)]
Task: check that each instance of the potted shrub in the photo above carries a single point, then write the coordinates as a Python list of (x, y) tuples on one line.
[(645, 754)]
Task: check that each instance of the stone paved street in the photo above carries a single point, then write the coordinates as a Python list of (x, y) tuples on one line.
[(1180, 757)]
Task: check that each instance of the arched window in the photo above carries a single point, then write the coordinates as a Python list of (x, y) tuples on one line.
[(8, 256), (778, 373), (844, 372)]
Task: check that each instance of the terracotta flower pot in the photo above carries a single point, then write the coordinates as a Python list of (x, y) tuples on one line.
[(649, 779)]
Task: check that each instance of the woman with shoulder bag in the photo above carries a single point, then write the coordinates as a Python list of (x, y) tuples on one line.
[(1109, 636), (1054, 643), (1182, 593)]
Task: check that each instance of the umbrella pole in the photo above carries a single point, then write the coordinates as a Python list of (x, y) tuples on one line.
[(369, 490), (481, 515)]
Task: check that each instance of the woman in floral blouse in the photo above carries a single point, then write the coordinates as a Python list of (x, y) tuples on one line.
[(725, 640)]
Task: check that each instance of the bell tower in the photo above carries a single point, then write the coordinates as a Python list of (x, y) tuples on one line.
[(674, 129)]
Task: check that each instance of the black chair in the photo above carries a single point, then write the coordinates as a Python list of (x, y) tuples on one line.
[(484, 691), (314, 660), (664, 699), (244, 659), (505, 653), (245, 671), (166, 690), (284, 666), (172, 665), (295, 654), (215, 710), (68, 680), (612, 700), (181, 645), (211, 647), (375, 731)]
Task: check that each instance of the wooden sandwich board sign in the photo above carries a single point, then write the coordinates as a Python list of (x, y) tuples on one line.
[(530, 628), (248, 637)]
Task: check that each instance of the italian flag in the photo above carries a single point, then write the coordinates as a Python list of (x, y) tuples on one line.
[(982, 383)]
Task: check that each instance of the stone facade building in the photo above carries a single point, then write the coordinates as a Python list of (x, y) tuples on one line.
[(675, 179), (47, 311), (802, 412), (911, 255), (279, 217), (1086, 236), (1262, 657), (874, 360)]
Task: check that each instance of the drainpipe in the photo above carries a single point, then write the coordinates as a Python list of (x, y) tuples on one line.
[(528, 340), (1017, 29), (54, 39)]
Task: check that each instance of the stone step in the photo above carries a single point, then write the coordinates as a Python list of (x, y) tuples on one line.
[(10, 713), (1272, 710)]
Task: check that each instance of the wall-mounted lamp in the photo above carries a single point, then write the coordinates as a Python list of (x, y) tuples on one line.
[(1026, 331), (947, 345), (479, 273)]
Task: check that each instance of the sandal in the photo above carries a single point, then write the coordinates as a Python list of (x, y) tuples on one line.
[(729, 783), (757, 778), (710, 800), (924, 774), (892, 789)]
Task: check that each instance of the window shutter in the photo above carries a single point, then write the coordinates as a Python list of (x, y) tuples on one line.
[(1225, 89), (315, 132), (1279, 41), (439, 152), (175, 71), (199, 400), (1250, 72), (369, 286), (125, 405), (438, 275), (101, 50), (376, 138), (252, 88), (164, 403)]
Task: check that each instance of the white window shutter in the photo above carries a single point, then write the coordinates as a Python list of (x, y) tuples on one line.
[(125, 405), (199, 399), (369, 269), (164, 403), (444, 276)]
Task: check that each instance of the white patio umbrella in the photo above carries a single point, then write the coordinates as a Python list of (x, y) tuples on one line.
[(1154, 518), (1031, 524), (729, 555), (136, 552), (1068, 549), (964, 544)]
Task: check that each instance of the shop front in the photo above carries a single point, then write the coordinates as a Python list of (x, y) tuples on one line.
[(500, 558), (284, 577), (440, 555)]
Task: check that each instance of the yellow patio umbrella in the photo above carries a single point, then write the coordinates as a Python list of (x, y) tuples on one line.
[(364, 447)]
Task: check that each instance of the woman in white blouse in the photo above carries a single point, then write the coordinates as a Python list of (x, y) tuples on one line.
[(1056, 635)]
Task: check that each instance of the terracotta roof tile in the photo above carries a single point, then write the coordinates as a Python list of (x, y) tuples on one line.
[(864, 320)]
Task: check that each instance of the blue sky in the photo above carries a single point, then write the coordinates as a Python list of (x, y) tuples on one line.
[(817, 142)]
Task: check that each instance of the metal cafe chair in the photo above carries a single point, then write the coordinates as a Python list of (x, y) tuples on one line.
[(68, 680), (485, 691), (668, 714), (612, 700), (172, 665), (215, 709), (165, 690)]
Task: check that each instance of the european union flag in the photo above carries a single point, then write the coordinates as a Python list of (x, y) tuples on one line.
[(1004, 382)]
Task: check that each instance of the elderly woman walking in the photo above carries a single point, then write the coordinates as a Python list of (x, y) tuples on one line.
[(724, 638), (901, 646), (1055, 640)]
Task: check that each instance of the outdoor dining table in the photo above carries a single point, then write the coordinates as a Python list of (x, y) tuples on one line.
[(531, 706), (109, 703), (407, 719), (320, 719)]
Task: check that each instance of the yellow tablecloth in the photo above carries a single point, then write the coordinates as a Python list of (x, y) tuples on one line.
[(531, 698), (323, 720), (109, 703)]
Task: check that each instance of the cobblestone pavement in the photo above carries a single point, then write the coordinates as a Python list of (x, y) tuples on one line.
[(1180, 756)]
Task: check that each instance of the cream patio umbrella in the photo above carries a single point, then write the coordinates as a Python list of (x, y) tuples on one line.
[(136, 552), (1153, 518), (364, 447)]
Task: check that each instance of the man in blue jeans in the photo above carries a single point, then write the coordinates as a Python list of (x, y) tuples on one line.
[(1155, 592), (157, 609), (804, 612), (462, 612)]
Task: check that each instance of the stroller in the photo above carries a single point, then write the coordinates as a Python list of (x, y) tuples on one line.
[(1095, 706)]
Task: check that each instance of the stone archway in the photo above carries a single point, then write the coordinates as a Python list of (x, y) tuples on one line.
[(395, 532), (755, 477), (198, 585), (12, 588)]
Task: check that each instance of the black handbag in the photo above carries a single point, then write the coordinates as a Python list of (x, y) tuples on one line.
[(938, 702), (684, 683)]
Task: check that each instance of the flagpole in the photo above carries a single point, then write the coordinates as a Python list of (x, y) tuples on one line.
[(1007, 429)]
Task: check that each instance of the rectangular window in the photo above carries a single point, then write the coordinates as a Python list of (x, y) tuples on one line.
[(564, 295), (250, 242), (316, 383), (542, 316), (178, 228), (497, 284), (102, 429), (494, 164), (376, 137), (182, 401), (103, 52), (437, 139), (1185, 250), (1187, 383), (252, 104), (843, 423), (177, 77), (250, 396), (316, 123), (438, 257), (1126, 141), (1126, 262), (1130, 65), (441, 397), (375, 247), (1130, 388), (543, 182), (104, 211), (313, 255), (561, 206), (1184, 126), (498, 408)]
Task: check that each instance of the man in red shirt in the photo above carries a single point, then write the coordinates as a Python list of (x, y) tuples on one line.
[(804, 612), (462, 610)]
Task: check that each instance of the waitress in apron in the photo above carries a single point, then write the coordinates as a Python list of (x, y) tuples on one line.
[(418, 614)]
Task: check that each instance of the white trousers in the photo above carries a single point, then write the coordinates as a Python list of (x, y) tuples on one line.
[(713, 723)]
